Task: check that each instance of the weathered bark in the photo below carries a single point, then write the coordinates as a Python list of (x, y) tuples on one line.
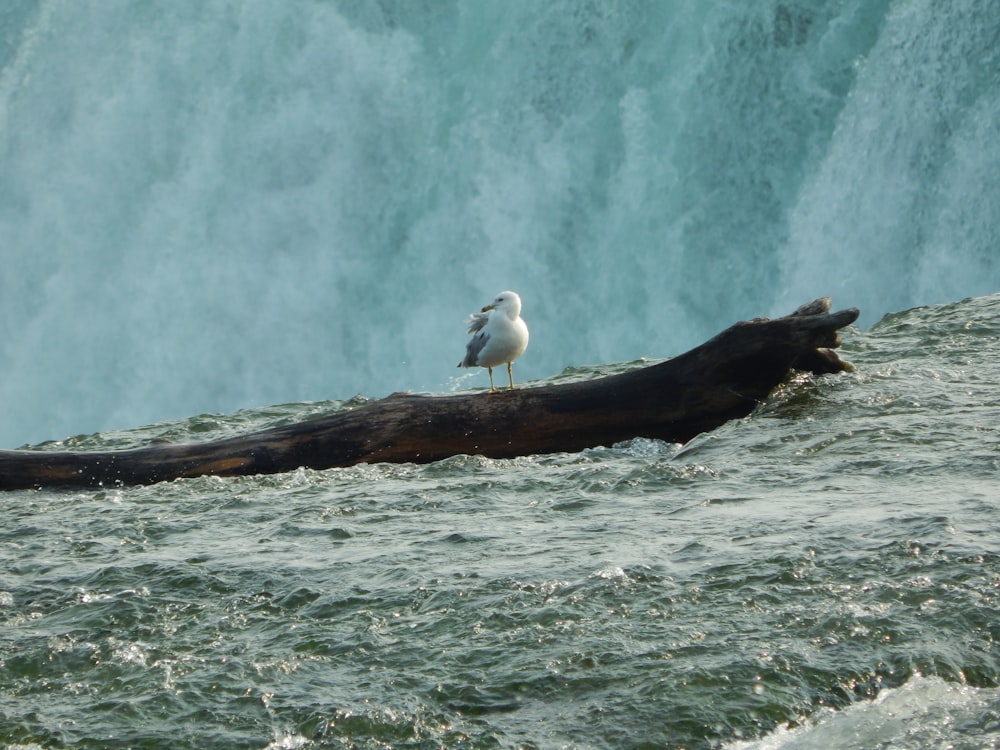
[(674, 400)]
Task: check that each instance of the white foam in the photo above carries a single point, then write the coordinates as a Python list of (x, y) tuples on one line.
[(925, 712)]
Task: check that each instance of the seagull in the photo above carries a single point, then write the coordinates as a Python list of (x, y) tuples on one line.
[(499, 336)]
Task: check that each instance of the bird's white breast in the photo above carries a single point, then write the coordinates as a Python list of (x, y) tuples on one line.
[(507, 340)]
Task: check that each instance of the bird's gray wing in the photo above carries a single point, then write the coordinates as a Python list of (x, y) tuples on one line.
[(472, 349), (476, 321)]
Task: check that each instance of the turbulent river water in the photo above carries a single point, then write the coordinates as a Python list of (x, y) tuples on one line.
[(822, 574)]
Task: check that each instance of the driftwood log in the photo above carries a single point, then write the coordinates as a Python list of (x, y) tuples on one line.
[(723, 379)]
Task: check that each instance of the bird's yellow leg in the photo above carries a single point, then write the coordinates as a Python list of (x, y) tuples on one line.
[(490, 371), (510, 374)]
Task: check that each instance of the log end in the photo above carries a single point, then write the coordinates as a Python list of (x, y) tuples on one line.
[(822, 359)]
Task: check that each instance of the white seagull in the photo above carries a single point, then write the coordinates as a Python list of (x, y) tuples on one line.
[(499, 336)]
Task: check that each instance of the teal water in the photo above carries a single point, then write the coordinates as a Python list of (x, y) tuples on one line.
[(214, 205), (822, 574), (211, 207)]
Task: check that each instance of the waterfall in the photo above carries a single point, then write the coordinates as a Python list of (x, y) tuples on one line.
[(210, 205)]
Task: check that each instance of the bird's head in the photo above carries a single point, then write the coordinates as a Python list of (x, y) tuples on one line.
[(508, 302)]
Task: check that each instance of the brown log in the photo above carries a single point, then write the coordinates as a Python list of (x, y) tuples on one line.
[(675, 400)]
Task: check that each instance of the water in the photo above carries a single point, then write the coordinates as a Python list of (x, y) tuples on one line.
[(212, 206), (824, 573), (208, 208)]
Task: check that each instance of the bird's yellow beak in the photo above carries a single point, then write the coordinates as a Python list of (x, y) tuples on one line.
[(486, 309)]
